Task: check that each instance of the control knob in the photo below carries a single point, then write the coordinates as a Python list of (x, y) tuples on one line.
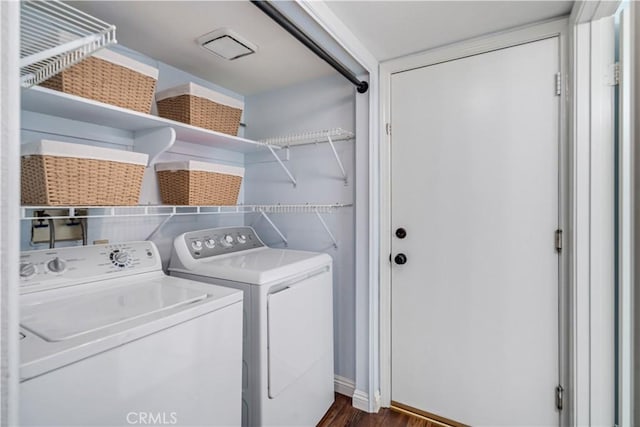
[(196, 245), (27, 270), (242, 239), (56, 265), (121, 257), (210, 243), (227, 240)]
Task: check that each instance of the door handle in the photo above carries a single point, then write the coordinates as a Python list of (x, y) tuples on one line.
[(401, 233), (400, 259)]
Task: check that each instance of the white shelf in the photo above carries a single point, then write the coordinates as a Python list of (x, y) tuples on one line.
[(55, 36), (29, 212), (312, 137), (59, 104)]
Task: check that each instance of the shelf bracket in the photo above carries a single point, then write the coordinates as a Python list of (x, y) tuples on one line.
[(154, 142), (335, 153), (326, 228), (284, 239), (160, 226), (293, 180)]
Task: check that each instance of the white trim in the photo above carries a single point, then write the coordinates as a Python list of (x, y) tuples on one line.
[(360, 400), (529, 33), (626, 229), (592, 10), (367, 205), (344, 386), (9, 211)]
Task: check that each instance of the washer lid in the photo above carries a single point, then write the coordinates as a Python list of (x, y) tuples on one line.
[(259, 266), (59, 320)]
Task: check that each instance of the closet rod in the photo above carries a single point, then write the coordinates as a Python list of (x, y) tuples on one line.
[(268, 8)]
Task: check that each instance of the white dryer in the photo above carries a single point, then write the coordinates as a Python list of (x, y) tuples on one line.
[(108, 339), (288, 308)]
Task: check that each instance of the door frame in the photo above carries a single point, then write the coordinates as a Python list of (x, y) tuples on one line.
[(530, 33)]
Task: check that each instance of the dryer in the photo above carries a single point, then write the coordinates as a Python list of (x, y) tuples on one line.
[(108, 339), (288, 311)]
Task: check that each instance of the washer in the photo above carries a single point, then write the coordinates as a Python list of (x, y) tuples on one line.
[(288, 310), (108, 339)]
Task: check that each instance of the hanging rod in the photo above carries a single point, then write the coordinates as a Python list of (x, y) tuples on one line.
[(268, 8)]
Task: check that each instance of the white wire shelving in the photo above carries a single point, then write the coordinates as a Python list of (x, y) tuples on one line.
[(31, 212), (329, 136), (55, 36), (96, 212)]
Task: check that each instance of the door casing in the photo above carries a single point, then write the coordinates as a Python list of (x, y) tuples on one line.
[(553, 28)]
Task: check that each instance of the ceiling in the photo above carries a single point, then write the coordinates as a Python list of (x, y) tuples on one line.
[(390, 29), (167, 30)]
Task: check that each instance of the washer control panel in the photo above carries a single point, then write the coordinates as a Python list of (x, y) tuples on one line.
[(81, 264), (219, 241)]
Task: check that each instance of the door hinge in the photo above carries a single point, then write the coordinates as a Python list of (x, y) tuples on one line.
[(613, 76), (558, 84), (388, 128), (558, 240), (559, 397)]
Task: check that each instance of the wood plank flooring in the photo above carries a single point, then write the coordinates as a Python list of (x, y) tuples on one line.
[(342, 414)]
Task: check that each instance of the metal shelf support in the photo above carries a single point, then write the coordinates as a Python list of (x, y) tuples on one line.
[(275, 227), (335, 153), (326, 228), (293, 180)]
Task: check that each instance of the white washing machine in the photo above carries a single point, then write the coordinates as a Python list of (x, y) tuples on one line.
[(108, 339), (288, 338)]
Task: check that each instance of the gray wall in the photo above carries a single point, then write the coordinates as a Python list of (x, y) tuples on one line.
[(321, 104)]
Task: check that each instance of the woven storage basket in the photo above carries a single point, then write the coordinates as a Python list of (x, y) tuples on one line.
[(110, 78), (59, 173), (202, 107), (198, 183)]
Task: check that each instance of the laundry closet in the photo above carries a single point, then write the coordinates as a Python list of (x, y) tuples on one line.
[(296, 142)]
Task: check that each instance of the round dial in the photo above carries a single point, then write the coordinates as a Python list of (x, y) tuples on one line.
[(242, 239), (121, 257), (27, 270), (210, 243), (196, 245), (56, 265), (227, 240)]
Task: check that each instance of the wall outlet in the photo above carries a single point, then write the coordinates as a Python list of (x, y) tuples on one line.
[(66, 229)]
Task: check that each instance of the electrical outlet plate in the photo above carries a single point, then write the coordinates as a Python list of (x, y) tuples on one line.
[(66, 229)]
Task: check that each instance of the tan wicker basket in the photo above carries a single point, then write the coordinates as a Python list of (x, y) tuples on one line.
[(59, 180), (100, 79), (198, 183), (200, 107)]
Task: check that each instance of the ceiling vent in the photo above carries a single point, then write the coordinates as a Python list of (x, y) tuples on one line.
[(226, 44)]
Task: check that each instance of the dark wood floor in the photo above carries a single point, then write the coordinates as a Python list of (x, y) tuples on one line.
[(342, 414)]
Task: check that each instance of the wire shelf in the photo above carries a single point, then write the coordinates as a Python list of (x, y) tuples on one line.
[(31, 212), (55, 36), (313, 137)]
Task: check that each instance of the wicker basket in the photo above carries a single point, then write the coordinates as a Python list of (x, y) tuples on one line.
[(110, 78), (198, 183), (202, 107), (62, 174)]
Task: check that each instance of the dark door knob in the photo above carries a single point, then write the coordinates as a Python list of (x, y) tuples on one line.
[(401, 233), (400, 259)]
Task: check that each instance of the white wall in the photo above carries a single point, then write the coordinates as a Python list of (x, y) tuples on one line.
[(320, 104), (635, 9)]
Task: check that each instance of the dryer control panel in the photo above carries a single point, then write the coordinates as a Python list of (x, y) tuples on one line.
[(50, 268), (220, 241)]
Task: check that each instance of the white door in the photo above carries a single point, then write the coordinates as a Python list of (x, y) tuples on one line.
[(475, 167)]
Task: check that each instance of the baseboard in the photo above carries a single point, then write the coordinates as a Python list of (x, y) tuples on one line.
[(360, 400), (343, 385)]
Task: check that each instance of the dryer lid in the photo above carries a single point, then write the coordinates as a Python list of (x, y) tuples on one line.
[(259, 266)]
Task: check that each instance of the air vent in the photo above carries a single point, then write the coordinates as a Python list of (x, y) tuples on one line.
[(226, 44)]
